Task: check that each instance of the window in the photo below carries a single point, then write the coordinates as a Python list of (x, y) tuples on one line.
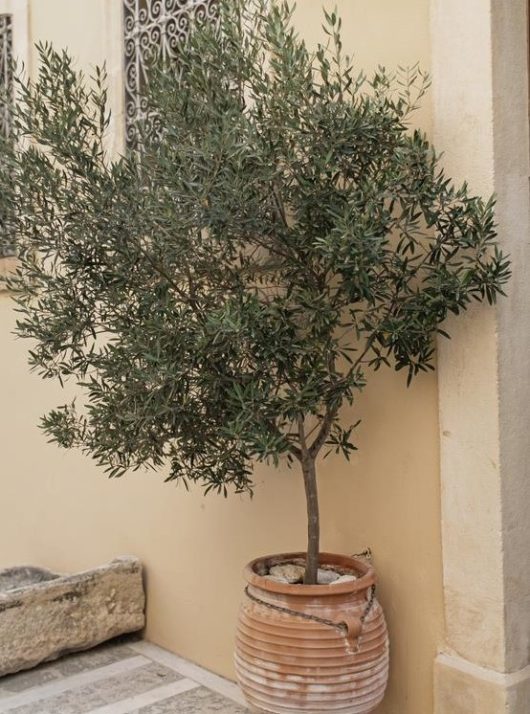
[(14, 48), (154, 25), (6, 71), (6, 98)]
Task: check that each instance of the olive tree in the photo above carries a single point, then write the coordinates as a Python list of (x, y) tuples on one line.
[(221, 291)]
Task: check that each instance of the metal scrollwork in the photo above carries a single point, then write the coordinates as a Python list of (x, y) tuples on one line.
[(154, 26), (6, 98), (6, 72)]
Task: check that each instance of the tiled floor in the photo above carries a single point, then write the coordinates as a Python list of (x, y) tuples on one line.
[(123, 677)]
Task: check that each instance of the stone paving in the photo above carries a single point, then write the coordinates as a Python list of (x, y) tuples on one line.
[(126, 676)]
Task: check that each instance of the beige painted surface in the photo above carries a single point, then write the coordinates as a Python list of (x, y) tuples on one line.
[(58, 511), (458, 691), (76, 25), (462, 687)]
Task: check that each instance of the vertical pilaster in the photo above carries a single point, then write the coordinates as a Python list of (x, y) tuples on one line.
[(481, 124)]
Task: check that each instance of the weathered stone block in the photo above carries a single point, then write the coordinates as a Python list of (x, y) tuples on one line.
[(44, 615)]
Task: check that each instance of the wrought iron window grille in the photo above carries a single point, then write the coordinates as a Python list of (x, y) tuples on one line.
[(6, 101), (154, 27)]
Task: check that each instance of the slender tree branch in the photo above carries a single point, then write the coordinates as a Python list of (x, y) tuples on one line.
[(324, 430)]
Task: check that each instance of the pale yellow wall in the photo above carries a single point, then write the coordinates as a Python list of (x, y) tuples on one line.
[(57, 510)]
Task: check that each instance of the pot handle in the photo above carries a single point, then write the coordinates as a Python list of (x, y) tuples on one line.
[(353, 627)]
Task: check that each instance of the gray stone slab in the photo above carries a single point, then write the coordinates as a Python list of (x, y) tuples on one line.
[(198, 701), (56, 687), (82, 700), (101, 656)]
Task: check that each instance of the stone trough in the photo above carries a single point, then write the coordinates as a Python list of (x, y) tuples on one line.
[(44, 615)]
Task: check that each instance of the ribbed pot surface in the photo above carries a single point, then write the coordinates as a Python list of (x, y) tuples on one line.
[(286, 663)]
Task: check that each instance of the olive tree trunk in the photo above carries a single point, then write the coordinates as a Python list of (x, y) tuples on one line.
[(313, 518)]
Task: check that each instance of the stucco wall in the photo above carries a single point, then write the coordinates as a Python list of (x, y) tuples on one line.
[(58, 511)]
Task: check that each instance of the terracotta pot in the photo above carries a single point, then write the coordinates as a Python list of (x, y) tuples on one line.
[(328, 654)]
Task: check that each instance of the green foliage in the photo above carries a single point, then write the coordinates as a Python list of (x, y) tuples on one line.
[(222, 292)]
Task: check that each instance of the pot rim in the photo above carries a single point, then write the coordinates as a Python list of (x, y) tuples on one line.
[(366, 575)]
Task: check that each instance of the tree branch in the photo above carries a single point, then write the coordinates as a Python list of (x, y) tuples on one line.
[(324, 430)]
